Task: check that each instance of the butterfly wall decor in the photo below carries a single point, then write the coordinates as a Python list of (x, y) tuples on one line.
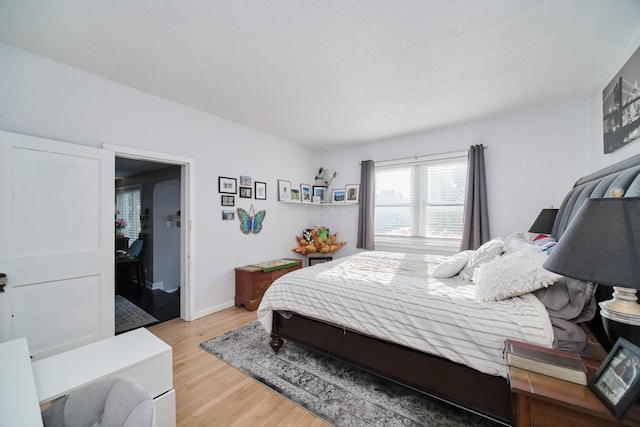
[(251, 222)]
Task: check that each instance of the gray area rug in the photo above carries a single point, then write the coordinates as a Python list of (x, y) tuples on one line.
[(339, 393), (129, 316)]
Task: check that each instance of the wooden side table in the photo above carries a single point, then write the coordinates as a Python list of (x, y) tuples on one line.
[(539, 400), (252, 282)]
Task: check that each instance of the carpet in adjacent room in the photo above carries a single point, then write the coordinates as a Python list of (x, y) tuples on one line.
[(337, 392), (129, 316)]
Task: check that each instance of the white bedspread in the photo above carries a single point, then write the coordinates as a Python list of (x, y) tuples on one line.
[(392, 296)]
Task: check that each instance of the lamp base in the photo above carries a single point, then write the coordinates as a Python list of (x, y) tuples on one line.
[(621, 316)]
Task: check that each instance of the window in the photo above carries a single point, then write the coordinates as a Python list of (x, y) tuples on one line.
[(420, 202), (128, 204)]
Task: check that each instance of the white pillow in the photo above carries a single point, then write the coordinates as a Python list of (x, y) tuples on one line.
[(452, 265), (515, 242), (513, 274), (482, 255)]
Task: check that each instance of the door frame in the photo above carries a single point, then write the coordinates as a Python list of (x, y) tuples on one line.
[(187, 213)]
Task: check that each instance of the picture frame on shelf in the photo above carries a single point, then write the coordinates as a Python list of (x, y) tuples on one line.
[(246, 192), (337, 196), (617, 381), (228, 215), (227, 185), (227, 200), (295, 195), (352, 193), (305, 193), (319, 193), (245, 181), (260, 190), (284, 190)]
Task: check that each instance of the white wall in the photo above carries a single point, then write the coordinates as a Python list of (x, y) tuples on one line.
[(598, 158), (166, 236), (50, 100), (532, 160)]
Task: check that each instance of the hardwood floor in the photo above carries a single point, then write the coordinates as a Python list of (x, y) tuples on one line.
[(211, 393), (161, 305)]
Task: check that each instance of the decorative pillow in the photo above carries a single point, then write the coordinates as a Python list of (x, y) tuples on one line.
[(515, 242), (452, 265), (545, 243), (482, 255), (514, 274)]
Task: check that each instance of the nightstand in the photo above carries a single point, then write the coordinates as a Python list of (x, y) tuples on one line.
[(539, 400), (317, 258)]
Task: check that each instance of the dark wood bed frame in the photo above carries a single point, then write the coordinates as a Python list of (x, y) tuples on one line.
[(451, 382)]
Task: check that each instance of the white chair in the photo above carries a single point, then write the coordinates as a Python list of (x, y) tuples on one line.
[(109, 402)]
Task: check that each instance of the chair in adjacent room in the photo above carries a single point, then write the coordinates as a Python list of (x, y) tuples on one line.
[(133, 257)]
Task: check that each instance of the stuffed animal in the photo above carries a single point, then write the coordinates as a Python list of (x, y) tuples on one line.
[(317, 240)]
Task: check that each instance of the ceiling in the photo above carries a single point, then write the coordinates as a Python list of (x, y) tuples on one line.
[(326, 73)]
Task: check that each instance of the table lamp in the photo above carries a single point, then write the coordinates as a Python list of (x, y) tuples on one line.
[(602, 245), (544, 222)]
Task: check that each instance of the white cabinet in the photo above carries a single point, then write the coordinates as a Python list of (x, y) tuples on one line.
[(137, 354)]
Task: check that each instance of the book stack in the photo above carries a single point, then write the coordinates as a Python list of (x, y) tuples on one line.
[(546, 361)]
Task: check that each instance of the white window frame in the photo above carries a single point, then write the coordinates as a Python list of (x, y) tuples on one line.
[(418, 244)]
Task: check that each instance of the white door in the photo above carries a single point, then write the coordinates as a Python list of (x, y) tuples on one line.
[(56, 243)]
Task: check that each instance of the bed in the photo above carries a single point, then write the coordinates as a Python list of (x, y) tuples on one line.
[(387, 313)]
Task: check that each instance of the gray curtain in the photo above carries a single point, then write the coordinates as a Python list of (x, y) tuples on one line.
[(476, 215), (367, 198)]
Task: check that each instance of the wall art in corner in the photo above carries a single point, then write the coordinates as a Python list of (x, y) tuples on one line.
[(621, 106)]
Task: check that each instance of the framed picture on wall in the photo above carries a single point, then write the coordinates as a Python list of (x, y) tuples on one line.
[(305, 193), (228, 215), (245, 181), (246, 192), (227, 185), (284, 190), (352, 193), (228, 200), (337, 196), (260, 190), (318, 193)]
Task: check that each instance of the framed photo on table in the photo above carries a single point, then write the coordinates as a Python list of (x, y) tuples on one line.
[(617, 382)]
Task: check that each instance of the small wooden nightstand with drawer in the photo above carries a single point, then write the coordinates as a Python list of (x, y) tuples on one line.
[(542, 401), (252, 282)]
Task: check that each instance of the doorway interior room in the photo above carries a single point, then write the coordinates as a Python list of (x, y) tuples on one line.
[(148, 225)]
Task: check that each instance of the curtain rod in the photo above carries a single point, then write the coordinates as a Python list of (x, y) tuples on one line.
[(415, 158)]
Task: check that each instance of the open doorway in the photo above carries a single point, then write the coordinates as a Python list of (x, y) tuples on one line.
[(178, 222), (148, 209)]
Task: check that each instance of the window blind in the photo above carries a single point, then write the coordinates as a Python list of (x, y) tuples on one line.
[(128, 204), (421, 199)]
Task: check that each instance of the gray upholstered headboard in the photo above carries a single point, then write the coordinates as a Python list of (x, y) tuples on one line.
[(625, 175)]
